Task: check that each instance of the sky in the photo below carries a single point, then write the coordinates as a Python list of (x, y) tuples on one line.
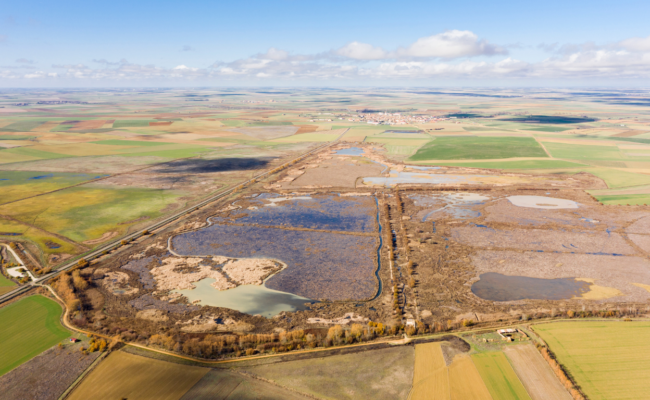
[(194, 43)]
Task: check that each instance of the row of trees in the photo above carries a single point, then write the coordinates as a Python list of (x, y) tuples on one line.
[(67, 285), (560, 373)]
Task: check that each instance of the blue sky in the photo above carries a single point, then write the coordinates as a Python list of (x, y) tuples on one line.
[(287, 42)]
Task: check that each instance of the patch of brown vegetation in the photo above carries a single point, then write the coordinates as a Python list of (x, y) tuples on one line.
[(306, 129), (162, 123), (629, 133), (106, 236)]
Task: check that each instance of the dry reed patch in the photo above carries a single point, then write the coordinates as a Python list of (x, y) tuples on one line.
[(118, 283), (250, 271), (127, 376), (178, 273)]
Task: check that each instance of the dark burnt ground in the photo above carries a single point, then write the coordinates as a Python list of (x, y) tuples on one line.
[(202, 166)]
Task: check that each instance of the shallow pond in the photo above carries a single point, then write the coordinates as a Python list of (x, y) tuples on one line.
[(352, 151), (548, 203), (249, 299), (396, 177), (497, 287)]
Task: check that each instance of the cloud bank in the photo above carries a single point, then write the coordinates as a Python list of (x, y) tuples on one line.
[(453, 54)]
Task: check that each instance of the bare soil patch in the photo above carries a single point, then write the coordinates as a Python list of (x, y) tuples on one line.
[(46, 376), (535, 373)]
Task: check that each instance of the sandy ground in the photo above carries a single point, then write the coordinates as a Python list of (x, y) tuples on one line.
[(344, 320), (334, 172), (608, 271)]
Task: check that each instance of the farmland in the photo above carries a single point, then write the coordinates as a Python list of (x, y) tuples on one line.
[(499, 377), (29, 327), (478, 148), (604, 366), (377, 374), (418, 213), (138, 378)]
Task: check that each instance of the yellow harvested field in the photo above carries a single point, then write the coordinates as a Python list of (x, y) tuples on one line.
[(433, 380), (430, 377), (434, 387), (126, 376), (465, 382), (535, 373)]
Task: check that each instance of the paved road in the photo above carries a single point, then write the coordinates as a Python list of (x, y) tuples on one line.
[(117, 243)]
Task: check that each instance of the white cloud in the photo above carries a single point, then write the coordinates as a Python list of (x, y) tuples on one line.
[(636, 44), (274, 54), (362, 51), (450, 44)]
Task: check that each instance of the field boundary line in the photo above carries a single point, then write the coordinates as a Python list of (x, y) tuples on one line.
[(271, 382)]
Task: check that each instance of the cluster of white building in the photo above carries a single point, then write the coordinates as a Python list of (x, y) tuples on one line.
[(397, 119)]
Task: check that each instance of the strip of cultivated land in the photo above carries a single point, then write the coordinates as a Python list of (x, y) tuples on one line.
[(27, 328), (608, 359)]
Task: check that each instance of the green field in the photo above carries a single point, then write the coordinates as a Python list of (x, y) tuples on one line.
[(29, 327), (81, 213), (499, 377), (134, 143), (608, 359), (616, 178), (21, 126), (478, 148), (522, 164), (16, 185), (624, 199), (19, 154), (6, 285), (583, 152)]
